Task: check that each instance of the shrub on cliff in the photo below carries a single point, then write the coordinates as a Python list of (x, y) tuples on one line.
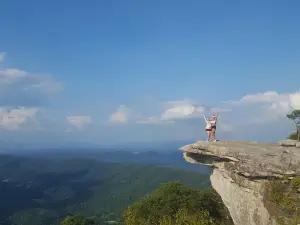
[(282, 200), (295, 117), (76, 220), (176, 204), (293, 136)]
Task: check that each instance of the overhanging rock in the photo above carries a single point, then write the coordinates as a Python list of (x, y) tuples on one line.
[(241, 169)]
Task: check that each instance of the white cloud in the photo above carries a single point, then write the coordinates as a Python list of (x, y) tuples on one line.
[(122, 115), (13, 119), (176, 110), (271, 102), (2, 56), (268, 96), (25, 89), (295, 100), (10, 76), (22, 80), (79, 121), (261, 110), (182, 110), (19, 87), (286, 101)]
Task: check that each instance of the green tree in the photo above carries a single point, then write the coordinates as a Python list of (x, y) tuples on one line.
[(293, 136), (75, 220), (183, 217), (176, 204), (295, 117)]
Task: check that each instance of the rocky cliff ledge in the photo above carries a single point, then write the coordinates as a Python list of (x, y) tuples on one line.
[(247, 175)]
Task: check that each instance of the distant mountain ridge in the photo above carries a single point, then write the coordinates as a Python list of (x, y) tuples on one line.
[(168, 157)]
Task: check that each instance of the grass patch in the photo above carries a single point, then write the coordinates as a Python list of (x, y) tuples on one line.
[(282, 199)]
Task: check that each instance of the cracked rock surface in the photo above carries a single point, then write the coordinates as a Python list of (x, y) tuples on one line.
[(241, 170)]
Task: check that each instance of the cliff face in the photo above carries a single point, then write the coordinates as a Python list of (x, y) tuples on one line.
[(242, 171)]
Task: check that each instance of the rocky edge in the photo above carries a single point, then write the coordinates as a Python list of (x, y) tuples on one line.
[(241, 171)]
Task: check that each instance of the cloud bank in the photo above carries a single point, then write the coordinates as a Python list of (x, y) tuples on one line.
[(176, 110), (79, 122), (261, 109), (21, 96), (122, 115), (18, 87), (14, 119)]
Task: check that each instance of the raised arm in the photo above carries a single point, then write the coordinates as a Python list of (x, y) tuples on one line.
[(204, 118), (217, 117)]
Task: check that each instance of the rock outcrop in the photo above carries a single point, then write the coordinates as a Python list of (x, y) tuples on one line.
[(241, 171)]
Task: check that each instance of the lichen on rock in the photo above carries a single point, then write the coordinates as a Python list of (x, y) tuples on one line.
[(245, 173)]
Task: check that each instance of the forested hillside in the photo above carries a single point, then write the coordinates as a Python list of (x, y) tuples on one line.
[(40, 191), (169, 157)]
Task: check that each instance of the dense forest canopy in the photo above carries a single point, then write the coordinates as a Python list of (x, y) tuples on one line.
[(171, 204), (176, 204), (44, 191)]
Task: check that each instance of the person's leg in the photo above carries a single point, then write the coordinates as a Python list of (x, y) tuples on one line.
[(208, 135), (213, 132)]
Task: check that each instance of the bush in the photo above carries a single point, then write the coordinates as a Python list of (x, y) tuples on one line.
[(176, 204), (283, 200), (76, 220), (293, 136)]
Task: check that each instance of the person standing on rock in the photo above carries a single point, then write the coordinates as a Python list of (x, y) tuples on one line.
[(207, 127), (213, 122)]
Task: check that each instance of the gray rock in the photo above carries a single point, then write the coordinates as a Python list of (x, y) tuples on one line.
[(251, 159), (288, 143), (241, 169), (245, 204)]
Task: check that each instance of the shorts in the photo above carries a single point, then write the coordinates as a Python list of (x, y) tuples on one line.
[(214, 127), (208, 129)]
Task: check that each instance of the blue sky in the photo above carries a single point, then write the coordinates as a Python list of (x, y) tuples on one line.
[(129, 71)]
